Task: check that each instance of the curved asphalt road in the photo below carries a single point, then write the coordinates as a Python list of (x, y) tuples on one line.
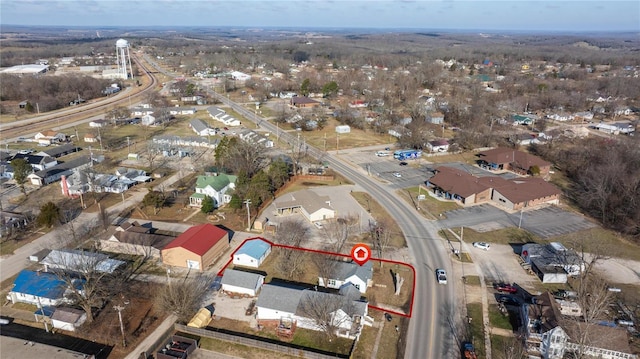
[(432, 329)]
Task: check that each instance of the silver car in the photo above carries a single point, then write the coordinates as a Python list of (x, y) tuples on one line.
[(441, 275)]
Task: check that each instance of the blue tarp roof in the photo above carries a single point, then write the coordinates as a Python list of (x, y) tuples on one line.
[(42, 284), (46, 311), (254, 248)]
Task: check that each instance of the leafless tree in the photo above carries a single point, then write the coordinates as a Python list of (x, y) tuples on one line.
[(326, 266), (380, 233), (183, 296), (292, 233), (246, 157), (91, 278), (324, 309), (337, 231), (513, 348)]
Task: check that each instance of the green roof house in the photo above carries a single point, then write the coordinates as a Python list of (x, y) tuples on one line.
[(216, 186)]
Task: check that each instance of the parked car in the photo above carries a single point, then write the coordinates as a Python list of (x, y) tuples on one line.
[(482, 245), (441, 275), (508, 299), (503, 287), (403, 163), (318, 225), (397, 174)]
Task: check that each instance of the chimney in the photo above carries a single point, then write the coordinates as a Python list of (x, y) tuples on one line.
[(65, 186)]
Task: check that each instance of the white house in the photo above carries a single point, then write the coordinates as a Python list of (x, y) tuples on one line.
[(240, 282), (182, 110), (148, 120), (438, 146), (68, 318), (252, 253), (240, 76), (343, 129), (218, 187), (98, 123), (306, 202), (201, 128), (349, 273), (543, 334), (80, 261), (49, 137), (38, 288), (552, 262), (277, 304)]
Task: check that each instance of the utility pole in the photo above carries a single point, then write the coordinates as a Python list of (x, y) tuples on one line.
[(248, 202), (120, 308), (520, 222), (128, 146), (337, 143)]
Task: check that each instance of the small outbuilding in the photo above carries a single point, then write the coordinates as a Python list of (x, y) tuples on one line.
[(240, 282), (252, 253), (343, 129), (68, 318)]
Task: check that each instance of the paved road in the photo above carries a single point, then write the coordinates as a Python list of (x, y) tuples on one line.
[(432, 328)]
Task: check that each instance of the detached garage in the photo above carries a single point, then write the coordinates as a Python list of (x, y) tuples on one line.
[(252, 253), (197, 248), (239, 282)]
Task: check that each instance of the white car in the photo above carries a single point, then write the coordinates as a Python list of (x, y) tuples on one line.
[(441, 275), (482, 245), (397, 174), (318, 225)]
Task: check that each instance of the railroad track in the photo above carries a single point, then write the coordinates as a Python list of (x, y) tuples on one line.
[(64, 118)]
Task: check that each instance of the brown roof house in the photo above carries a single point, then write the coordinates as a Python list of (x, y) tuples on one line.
[(514, 194), (303, 102), (508, 159), (549, 335), (452, 183), (136, 239), (197, 248), (519, 193)]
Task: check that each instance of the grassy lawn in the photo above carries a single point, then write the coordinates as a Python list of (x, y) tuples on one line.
[(356, 138), (390, 339), (472, 280), (476, 328), (497, 319), (464, 258), (239, 350), (314, 339), (466, 157), (505, 347), (429, 206), (381, 215), (501, 236), (383, 292)]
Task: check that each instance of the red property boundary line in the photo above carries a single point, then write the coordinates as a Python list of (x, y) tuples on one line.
[(413, 290)]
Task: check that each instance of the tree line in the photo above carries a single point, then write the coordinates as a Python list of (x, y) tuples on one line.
[(604, 179)]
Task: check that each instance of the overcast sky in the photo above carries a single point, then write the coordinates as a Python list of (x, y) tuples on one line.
[(518, 15)]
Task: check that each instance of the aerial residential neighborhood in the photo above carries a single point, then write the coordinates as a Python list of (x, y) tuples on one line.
[(207, 191)]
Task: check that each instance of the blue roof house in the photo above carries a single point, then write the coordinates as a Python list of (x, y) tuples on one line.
[(38, 288), (252, 253)]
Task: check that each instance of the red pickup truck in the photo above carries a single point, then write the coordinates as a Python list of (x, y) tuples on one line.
[(508, 288)]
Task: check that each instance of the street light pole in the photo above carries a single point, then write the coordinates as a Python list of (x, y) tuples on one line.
[(248, 202), (120, 308)]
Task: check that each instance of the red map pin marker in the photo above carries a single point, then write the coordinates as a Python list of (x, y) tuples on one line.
[(361, 253)]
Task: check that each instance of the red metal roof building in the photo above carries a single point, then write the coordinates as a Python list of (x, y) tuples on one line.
[(197, 248)]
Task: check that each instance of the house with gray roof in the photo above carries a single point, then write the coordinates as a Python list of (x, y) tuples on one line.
[(350, 274), (312, 206), (241, 282), (252, 253), (201, 128), (218, 186), (72, 260), (279, 303)]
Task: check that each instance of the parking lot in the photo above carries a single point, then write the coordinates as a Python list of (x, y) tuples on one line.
[(545, 222)]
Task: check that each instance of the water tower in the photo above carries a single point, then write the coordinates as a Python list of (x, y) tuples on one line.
[(123, 59)]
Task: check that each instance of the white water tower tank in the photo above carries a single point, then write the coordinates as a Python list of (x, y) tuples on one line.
[(123, 58)]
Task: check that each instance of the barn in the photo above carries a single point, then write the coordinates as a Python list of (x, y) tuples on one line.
[(197, 248)]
